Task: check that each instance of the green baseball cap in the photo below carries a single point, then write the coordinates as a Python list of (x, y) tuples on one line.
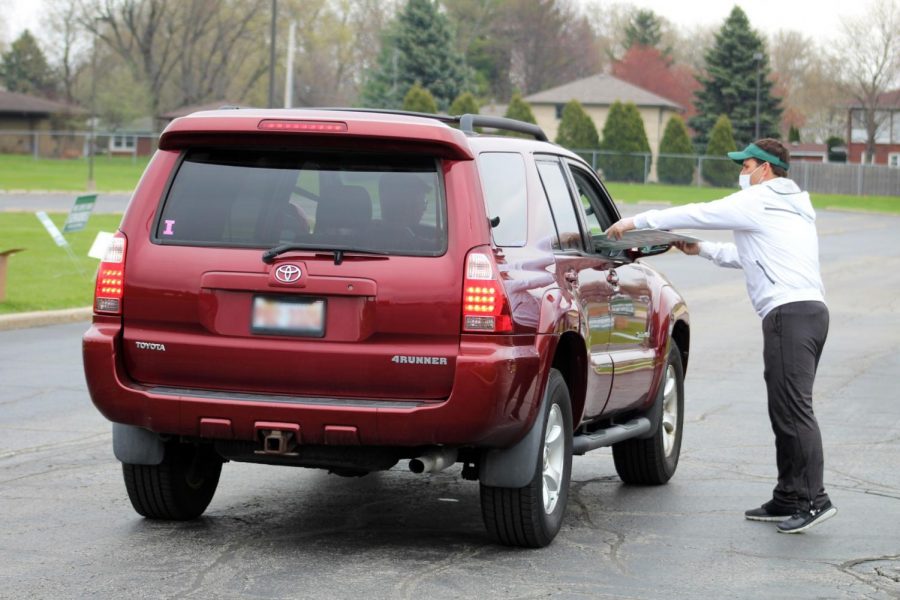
[(754, 151)]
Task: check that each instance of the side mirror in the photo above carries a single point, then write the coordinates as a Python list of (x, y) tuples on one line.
[(636, 253)]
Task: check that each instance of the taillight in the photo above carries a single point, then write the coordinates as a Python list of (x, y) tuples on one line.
[(111, 278), (484, 302), (308, 126)]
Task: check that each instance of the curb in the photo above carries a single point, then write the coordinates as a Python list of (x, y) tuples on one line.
[(44, 318)]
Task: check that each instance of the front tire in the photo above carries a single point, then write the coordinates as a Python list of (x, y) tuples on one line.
[(653, 461), (178, 489), (531, 516)]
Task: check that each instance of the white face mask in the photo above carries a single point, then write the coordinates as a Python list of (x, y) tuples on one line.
[(744, 178)]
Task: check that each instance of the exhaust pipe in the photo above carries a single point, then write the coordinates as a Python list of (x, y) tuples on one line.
[(434, 461)]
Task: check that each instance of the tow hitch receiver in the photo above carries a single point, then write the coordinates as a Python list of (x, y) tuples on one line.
[(279, 439)]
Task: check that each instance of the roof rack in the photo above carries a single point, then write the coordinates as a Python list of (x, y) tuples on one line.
[(467, 123)]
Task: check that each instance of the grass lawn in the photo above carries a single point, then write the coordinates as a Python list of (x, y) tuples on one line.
[(111, 173), (43, 277), (676, 194)]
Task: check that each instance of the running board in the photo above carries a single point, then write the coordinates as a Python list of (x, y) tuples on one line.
[(607, 437)]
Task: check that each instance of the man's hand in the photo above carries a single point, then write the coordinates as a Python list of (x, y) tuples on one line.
[(688, 247), (616, 230)]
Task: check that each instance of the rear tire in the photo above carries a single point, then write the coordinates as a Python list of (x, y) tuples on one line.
[(653, 461), (531, 516), (178, 489)]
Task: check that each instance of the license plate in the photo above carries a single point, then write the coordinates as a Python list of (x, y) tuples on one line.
[(288, 316)]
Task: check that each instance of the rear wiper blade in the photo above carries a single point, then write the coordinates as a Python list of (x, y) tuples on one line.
[(269, 255)]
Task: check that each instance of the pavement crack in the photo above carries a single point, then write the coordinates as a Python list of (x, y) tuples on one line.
[(406, 587), (86, 440)]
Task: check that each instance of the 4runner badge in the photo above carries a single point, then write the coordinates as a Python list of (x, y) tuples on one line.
[(419, 360), (150, 346)]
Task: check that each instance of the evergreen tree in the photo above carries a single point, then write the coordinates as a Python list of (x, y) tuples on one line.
[(418, 99), (417, 47), (721, 172), (624, 135), (675, 140), (519, 110), (24, 68), (793, 135), (576, 129), (643, 29), (464, 104), (729, 86)]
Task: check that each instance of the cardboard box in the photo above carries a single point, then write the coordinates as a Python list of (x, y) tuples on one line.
[(4, 259)]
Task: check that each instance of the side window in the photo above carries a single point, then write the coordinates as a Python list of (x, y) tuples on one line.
[(596, 208), (561, 205), (503, 183)]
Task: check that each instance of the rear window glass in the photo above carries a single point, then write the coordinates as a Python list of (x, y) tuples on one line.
[(503, 181), (241, 198)]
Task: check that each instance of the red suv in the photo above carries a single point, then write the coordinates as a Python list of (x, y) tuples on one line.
[(345, 289)]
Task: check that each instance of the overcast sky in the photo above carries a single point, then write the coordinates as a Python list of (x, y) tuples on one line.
[(819, 19)]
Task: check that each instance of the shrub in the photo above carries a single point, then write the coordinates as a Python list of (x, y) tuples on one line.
[(675, 140), (624, 135), (721, 173), (576, 129), (418, 99)]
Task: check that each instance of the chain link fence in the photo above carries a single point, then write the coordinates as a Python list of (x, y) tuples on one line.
[(77, 144), (689, 169), (637, 167)]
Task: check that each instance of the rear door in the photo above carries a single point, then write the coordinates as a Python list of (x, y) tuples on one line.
[(363, 303)]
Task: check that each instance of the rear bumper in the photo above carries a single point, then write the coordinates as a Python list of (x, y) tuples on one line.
[(495, 399)]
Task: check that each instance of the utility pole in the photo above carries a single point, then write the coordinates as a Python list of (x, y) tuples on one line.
[(757, 56), (289, 75), (91, 184), (272, 55)]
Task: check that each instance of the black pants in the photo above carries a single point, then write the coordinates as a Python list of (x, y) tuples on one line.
[(793, 337)]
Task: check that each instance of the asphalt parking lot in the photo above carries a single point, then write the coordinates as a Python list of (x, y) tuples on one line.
[(67, 529)]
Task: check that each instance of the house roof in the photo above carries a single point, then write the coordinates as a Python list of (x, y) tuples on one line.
[(601, 90), (24, 104), (184, 111), (889, 99), (798, 149)]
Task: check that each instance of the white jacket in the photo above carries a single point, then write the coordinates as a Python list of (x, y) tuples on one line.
[(775, 239)]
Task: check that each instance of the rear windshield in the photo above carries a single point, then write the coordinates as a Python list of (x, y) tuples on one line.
[(258, 198)]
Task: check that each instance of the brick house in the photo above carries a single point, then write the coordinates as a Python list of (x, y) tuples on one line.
[(887, 134), (31, 125)]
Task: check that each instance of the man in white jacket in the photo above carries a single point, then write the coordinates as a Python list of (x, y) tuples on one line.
[(776, 245)]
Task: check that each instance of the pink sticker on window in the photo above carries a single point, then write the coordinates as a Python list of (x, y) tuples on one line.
[(168, 229)]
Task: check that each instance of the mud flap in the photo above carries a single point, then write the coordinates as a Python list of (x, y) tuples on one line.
[(514, 467), (137, 446)]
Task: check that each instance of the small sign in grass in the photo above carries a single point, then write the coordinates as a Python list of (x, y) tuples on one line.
[(44, 276)]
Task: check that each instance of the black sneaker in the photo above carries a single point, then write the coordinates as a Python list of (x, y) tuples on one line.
[(803, 520), (770, 511)]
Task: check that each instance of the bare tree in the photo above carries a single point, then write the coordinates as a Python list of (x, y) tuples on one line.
[(551, 43), (68, 46), (806, 80), (870, 57), (144, 33), (218, 39)]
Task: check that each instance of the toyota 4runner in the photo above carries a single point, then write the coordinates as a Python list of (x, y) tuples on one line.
[(346, 289)]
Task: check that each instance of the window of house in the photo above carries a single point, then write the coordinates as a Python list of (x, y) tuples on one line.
[(122, 143), (894, 159), (559, 110)]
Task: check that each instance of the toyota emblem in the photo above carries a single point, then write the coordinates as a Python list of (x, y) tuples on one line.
[(288, 273)]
